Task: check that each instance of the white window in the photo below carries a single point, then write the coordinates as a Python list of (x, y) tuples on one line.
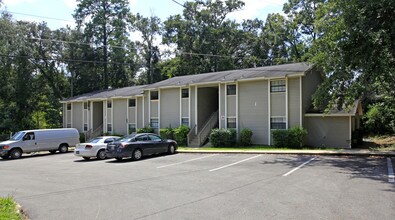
[(185, 121), (85, 127), (277, 86), (109, 104), (277, 123), (109, 127), (185, 93), (132, 128), (68, 106), (132, 102), (231, 123), (231, 90), (154, 95), (85, 106), (154, 123)]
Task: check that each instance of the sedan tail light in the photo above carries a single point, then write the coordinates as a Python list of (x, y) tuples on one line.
[(88, 147)]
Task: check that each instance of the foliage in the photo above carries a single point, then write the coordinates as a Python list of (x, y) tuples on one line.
[(223, 137), (167, 133), (246, 137), (181, 134), (291, 138), (82, 138), (145, 130), (8, 209), (380, 119)]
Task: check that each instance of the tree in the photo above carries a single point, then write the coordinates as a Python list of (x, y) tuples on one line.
[(105, 22), (148, 28)]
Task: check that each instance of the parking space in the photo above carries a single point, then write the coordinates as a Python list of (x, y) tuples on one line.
[(196, 186)]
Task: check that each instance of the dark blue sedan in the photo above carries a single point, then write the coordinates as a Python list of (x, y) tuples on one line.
[(138, 145)]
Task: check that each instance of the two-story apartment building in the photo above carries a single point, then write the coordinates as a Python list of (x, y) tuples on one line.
[(261, 99)]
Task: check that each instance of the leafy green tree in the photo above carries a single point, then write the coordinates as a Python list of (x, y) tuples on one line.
[(105, 23)]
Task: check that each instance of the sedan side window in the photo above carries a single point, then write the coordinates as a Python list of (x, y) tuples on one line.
[(155, 138), (108, 140), (142, 138)]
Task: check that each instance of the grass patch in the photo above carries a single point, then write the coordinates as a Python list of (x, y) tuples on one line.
[(8, 209), (252, 148), (380, 143)]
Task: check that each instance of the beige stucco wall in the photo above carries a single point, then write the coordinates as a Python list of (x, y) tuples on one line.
[(120, 107), (170, 108), (328, 131), (77, 116), (294, 102), (253, 109)]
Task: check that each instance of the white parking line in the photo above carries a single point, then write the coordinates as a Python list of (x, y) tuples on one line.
[(250, 158), (391, 178), (300, 166), (199, 158)]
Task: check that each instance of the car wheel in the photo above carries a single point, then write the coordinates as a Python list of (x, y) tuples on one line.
[(137, 154), (52, 151), (5, 157), (15, 153), (118, 158), (86, 158), (172, 149), (101, 155), (63, 148)]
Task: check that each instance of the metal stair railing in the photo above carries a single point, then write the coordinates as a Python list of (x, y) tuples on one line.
[(205, 132), (191, 135), (91, 134)]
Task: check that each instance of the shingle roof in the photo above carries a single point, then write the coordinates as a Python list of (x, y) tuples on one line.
[(224, 76), (231, 75), (104, 94)]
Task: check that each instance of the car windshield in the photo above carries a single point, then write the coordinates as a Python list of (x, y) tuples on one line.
[(17, 136), (95, 140)]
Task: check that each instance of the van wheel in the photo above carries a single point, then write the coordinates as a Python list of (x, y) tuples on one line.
[(63, 148), (15, 153), (52, 151), (101, 155), (137, 154)]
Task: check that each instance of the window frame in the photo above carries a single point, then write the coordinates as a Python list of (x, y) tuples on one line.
[(231, 89), (235, 122), (185, 95), (278, 125), (109, 104), (277, 87), (154, 97), (109, 125), (133, 102), (85, 127), (68, 106), (132, 129), (157, 123), (182, 121)]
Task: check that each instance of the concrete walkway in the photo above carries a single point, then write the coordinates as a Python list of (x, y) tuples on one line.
[(340, 152)]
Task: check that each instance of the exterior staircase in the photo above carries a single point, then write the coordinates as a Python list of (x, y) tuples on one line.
[(197, 140), (93, 133)]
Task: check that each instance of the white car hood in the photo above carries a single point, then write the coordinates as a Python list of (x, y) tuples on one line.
[(7, 142)]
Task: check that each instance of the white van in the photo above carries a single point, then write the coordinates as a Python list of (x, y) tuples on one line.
[(29, 141)]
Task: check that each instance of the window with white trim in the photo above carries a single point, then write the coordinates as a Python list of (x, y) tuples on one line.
[(277, 86), (278, 123), (85, 105), (185, 93), (185, 121), (68, 107), (109, 104), (154, 95), (109, 127), (85, 127), (132, 102), (132, 128), (231, 90), (68, 125), (231, 123), (154, 123)]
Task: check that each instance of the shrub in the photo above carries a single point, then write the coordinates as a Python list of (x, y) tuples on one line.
[(223, 137), (292, 138), (167, 133), (82, 137), (4, 137), (145, 130), (181, 134), (246, 137)]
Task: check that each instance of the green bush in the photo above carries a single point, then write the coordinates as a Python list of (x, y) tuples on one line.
[(82, 137), (145, 130), (167, 133), (223, 137), (181, 134), (291, 138), (380, 119), (4, 137), (246, 137)]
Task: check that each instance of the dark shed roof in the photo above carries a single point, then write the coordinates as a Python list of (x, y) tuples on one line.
[(231, 75)]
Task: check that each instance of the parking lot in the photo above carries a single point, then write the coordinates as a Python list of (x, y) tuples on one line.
[(202, 186)]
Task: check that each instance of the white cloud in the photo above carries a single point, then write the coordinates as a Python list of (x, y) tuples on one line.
[(17, 2), (252, 8), (70, 3)]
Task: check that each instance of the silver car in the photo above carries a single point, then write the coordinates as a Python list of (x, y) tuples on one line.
[(95, 147)]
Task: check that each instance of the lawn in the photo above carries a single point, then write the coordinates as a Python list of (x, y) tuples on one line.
[(380, 143), (252, 148), (8, 209)]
